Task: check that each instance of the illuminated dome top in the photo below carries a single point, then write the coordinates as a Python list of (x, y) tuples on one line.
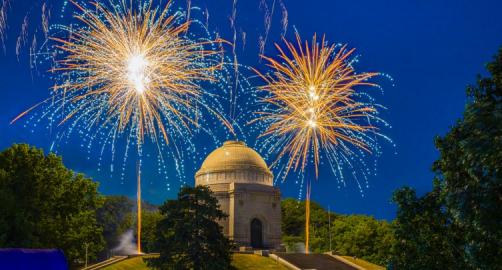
[(234, 162)]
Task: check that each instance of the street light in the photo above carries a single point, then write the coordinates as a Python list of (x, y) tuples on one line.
[(86, 245)]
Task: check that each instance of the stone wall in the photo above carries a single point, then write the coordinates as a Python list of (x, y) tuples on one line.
[(244, 202)]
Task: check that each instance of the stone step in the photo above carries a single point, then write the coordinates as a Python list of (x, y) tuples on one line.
[(315, 261), (105, 263)]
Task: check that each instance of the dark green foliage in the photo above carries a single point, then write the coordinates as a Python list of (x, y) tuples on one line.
[(426, 238), (293, 216), (188, 236), (362, 236), (150, 219), (45, 205), (470, 170), (111, 217), (458, 225), (353, 235)]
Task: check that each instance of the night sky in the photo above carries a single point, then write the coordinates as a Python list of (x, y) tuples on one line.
[(432, 50)]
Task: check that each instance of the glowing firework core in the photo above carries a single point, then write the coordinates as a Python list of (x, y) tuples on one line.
[(313, 97), (137, 73)]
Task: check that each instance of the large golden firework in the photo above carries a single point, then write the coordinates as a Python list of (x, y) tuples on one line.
[(311, 105), (141, 63)]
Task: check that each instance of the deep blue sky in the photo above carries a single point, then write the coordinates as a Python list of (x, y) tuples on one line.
[(432, 49)]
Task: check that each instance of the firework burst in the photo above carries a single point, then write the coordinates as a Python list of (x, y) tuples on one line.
[(312, 107), (138, 69)]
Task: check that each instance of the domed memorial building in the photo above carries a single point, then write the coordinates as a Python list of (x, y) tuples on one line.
[(243, 185)]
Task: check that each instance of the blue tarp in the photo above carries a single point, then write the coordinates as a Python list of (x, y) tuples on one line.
[(36, 259)]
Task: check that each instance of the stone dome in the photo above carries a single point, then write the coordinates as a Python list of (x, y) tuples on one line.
[(234, 162)]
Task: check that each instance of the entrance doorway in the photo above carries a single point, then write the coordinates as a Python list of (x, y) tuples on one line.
[(256, 233)]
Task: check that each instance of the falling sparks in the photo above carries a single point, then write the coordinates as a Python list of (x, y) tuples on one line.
[(267, 22), (33, 49), (285, 18), (243, 38), (233, 19), (45, 19), (23, 36), (3, 19)]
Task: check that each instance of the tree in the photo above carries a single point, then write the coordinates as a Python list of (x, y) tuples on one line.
[(188, 236), (362, 236), (426, 237), (293, 216), (470, 170), (45, 205), (458, 225), (150, 219)]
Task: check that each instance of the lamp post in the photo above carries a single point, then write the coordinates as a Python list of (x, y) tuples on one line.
[(86, 245), (329, 227)]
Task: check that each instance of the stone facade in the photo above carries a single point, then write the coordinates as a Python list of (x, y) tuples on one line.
[(243, 184)]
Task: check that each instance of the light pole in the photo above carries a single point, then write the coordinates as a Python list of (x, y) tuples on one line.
[(329, 228), (86, 245)]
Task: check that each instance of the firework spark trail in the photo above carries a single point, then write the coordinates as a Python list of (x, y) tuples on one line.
[(33, 49), (45, 20), (285, 18), (22, 39), (23, 36), (189, 9), (233, 95), (268, 16), (206, 13), (243, 38), (3, 20)]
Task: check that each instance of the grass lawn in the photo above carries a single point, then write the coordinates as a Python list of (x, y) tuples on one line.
[(251, 261), (363, 263), (240, 262), (135, 263)]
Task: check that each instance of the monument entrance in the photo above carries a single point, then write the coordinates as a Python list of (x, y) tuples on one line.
[(256, 233)]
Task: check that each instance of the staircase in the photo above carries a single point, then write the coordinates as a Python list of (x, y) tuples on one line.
[(315, 261), (112, 260)]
